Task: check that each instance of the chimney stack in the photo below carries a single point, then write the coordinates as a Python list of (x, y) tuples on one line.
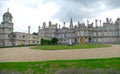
[(100, 23), (28, 29), (64, 24)]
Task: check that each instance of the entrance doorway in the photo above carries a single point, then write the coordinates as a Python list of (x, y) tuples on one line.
[(82, 41)]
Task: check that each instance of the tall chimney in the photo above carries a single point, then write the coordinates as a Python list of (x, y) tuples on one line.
[(28, 29), (100, 23), (88, 23), (64, 24)]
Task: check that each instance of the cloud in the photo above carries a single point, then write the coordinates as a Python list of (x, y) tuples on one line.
[(3, 3), (113, 4), (78, 9), (34, 12)]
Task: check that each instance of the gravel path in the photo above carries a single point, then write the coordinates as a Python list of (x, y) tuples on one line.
[(26, 54)]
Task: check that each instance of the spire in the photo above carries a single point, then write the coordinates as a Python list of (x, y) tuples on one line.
[(71, 23), (8, 10)]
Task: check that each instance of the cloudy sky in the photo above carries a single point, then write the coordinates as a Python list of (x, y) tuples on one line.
[(34, 12)]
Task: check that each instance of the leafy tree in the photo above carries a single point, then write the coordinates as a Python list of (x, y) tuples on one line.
[(54, 40), (34, 33)]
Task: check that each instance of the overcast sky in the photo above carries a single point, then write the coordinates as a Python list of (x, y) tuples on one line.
[(34, 12)]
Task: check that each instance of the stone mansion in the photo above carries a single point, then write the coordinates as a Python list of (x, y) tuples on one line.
[(107, 32), (10, 38)]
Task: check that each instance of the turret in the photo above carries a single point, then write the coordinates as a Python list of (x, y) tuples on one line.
[(6, 29), (7, 22), (44, 25), (50, 23)]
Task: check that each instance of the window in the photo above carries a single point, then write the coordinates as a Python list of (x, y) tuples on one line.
[(64, 35), (23, 36), (14, 36), (33, 41)]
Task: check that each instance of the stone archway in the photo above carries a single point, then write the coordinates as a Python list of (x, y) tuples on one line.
[(82, 41)]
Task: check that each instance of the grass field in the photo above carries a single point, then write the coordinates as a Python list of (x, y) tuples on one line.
[(50, 67), (62, 47)]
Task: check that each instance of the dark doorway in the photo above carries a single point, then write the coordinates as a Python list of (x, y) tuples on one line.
[(90, 40)]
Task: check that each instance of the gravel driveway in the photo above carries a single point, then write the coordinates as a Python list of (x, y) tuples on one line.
[(26, 54)]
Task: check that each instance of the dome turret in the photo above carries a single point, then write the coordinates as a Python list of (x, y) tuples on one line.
[(7, 16)]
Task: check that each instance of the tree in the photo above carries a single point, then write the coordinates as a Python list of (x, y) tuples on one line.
[(34, 33), (54, 40), (45, 42)]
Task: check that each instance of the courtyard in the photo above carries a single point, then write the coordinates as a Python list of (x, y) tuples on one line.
[(25, 54)]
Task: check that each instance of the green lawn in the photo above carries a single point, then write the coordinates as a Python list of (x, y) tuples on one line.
[(62, 47), (50, 67)]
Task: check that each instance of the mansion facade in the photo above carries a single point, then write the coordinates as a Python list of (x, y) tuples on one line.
[(107, 32)]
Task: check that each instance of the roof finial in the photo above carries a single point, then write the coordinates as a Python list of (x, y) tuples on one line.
[(8, 10)]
